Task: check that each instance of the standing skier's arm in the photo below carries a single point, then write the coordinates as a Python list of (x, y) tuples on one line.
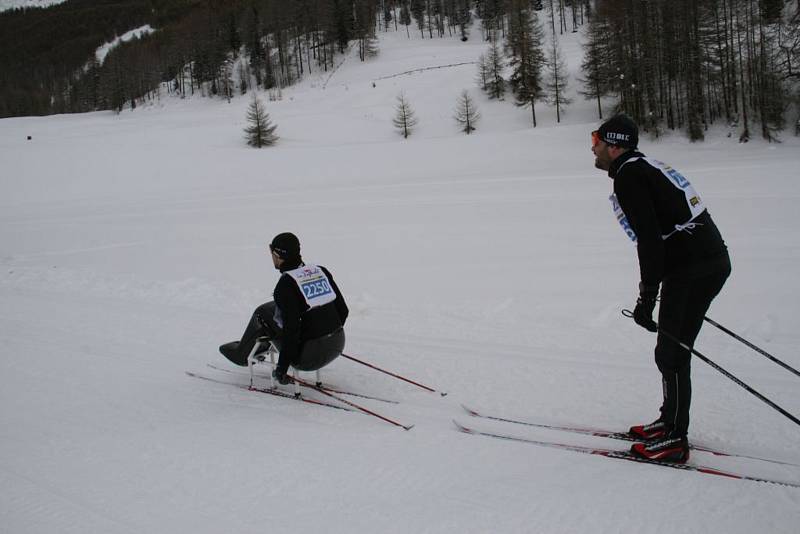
[(637, 204), (635, 200)]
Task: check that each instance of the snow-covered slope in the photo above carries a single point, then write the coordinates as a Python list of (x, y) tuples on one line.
[(488, 266), (14, 4), (136, 33)]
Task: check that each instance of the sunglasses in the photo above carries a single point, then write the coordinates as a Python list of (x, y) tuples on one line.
[(595, 138), (275, 250)]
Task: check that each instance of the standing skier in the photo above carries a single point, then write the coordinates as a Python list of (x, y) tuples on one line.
[(305, 321), (680, 249)]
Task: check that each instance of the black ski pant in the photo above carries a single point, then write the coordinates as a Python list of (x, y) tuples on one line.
[(262, 324), (314, 353), (685, 299)]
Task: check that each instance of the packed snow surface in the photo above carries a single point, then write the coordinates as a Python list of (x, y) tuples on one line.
[(488, 266)]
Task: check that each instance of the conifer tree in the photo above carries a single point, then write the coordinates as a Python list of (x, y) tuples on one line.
[(417, 8), (496, 84), (404, 119), (226, 79), (594, 63), (483, 73), (254, 46), (466, 114), (260, 130), (462, 17), (557, 77), (525, 45), (364, 29), (405, 17)]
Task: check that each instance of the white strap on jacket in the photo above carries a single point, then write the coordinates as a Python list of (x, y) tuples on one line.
[(693, 201)]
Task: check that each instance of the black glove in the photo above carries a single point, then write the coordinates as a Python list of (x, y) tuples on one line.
[(281, 377), (643, 313)]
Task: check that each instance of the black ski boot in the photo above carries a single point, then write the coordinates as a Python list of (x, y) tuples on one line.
[(231, 351)]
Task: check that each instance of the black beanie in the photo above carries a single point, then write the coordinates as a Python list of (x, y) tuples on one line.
[(620, 130), (286, 246)]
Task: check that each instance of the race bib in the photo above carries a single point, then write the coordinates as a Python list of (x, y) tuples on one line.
[(314, 285), (622, 219), (676, 179)]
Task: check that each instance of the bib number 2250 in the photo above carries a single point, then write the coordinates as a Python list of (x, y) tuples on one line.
[(316, 288)]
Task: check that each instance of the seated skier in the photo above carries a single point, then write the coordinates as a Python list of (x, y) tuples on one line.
[(305, 321)]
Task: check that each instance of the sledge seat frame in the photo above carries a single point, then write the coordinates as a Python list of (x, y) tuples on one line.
[(260, 357)]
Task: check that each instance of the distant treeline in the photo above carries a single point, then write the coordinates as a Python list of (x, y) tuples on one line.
[(676, 64), (685, 64)]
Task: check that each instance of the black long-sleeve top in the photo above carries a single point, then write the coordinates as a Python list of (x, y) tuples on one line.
[(653, 206), (301, 323)]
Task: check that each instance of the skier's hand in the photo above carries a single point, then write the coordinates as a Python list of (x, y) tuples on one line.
[(281, 377), (645, 304)]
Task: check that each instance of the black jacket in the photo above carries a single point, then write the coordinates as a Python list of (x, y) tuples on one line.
[(653, 206), (301, 323)]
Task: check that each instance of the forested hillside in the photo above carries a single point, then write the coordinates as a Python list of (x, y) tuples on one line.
[(685, 64), (46, 54), (674, 64)]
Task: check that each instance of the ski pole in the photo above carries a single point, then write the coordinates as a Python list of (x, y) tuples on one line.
[(394, 375), (628, 313), (752, 346), (353, 404)]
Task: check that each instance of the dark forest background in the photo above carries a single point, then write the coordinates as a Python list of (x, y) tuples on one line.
[(675, 64)]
